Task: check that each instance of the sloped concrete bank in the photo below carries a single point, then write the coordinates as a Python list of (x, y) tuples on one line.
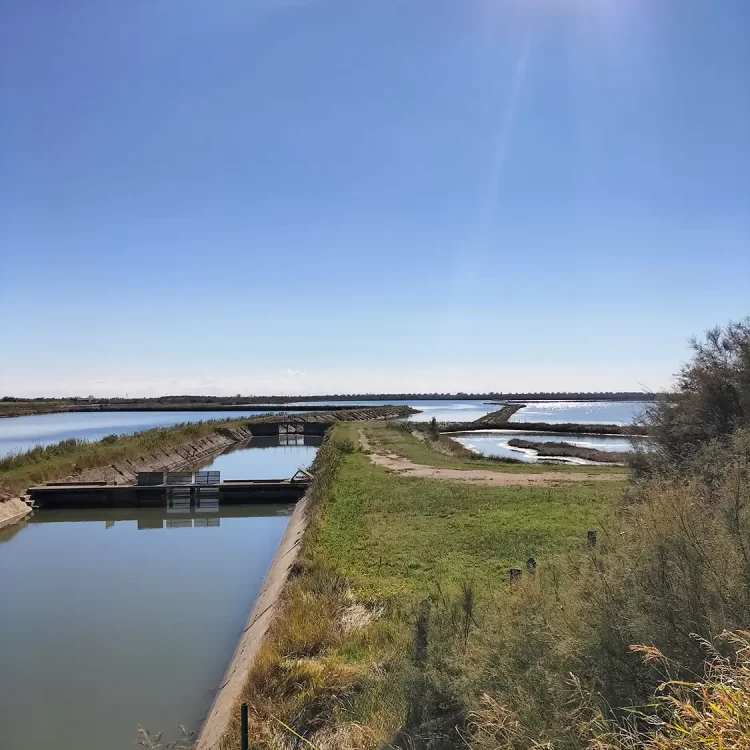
[(173, 459), (14, 509), (262, 615)]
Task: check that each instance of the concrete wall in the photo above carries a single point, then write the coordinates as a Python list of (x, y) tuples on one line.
[(12, 511), (228, 697)]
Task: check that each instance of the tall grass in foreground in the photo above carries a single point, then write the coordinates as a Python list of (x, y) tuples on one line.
[(711, 712), (675, 563), (542, 662)]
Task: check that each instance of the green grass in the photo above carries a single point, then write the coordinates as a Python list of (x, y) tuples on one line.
[(378, 543), (448, 454), (383, 531)]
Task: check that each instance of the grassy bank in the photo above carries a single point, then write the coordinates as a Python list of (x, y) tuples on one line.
[(424, 447), (551, 449), (338, 666), (44, 464)]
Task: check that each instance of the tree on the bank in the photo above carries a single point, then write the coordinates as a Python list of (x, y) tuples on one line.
[(712, 396)]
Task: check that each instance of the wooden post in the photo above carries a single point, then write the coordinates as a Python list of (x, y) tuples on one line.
[(531, 565), (515, 574), (420, 650), (592, 538), (244, 739)]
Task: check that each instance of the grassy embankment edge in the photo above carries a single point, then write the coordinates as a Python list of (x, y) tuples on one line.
[(336, 665), (68, 457)]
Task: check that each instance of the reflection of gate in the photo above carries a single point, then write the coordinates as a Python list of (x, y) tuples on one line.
[(292, 428)]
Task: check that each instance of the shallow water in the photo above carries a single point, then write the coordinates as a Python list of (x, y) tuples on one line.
[(495, 442), (113, 618), (582, 412)]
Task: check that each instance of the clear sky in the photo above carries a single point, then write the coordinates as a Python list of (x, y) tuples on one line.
[(274, 196)]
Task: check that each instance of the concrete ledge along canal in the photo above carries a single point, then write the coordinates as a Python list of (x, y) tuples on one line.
[(114, 617)]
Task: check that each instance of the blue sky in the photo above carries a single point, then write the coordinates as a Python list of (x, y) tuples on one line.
[(270, 196)]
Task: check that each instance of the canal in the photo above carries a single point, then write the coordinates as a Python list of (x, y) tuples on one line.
[(115, 618)]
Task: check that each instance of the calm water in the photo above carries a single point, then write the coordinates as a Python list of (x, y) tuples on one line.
[(444, 410), (267, 457), (113, 618), (555, 412), (584, 412), (19, 434), (495, 442)]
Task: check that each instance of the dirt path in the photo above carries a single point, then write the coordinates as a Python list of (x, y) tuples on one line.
[(405, 467)]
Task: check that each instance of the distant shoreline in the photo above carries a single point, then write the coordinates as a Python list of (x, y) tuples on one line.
[(19, 407)]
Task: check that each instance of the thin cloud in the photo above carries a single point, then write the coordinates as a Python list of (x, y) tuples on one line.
[(502, 145)]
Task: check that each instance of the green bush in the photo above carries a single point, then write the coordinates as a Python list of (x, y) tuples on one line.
[(712, 397)]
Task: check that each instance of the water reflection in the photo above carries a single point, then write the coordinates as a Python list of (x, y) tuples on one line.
[(152, 518), (275, 457), (103, 627)]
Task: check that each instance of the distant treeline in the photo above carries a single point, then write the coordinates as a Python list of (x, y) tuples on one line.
[(240, 399)]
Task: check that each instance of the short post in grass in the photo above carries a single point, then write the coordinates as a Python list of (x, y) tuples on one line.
[(420, 635), (244, 740), (515, 575), (592, 538), (531, 566)]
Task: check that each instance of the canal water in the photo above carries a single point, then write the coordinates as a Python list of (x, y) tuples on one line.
[(266, 457), (114, 618), (495, 443)]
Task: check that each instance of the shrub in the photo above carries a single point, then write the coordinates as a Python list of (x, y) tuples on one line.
[(712, 397)]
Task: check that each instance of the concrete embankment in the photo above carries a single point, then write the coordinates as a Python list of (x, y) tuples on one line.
[(13, 510), (261, 617), (172, 459)]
